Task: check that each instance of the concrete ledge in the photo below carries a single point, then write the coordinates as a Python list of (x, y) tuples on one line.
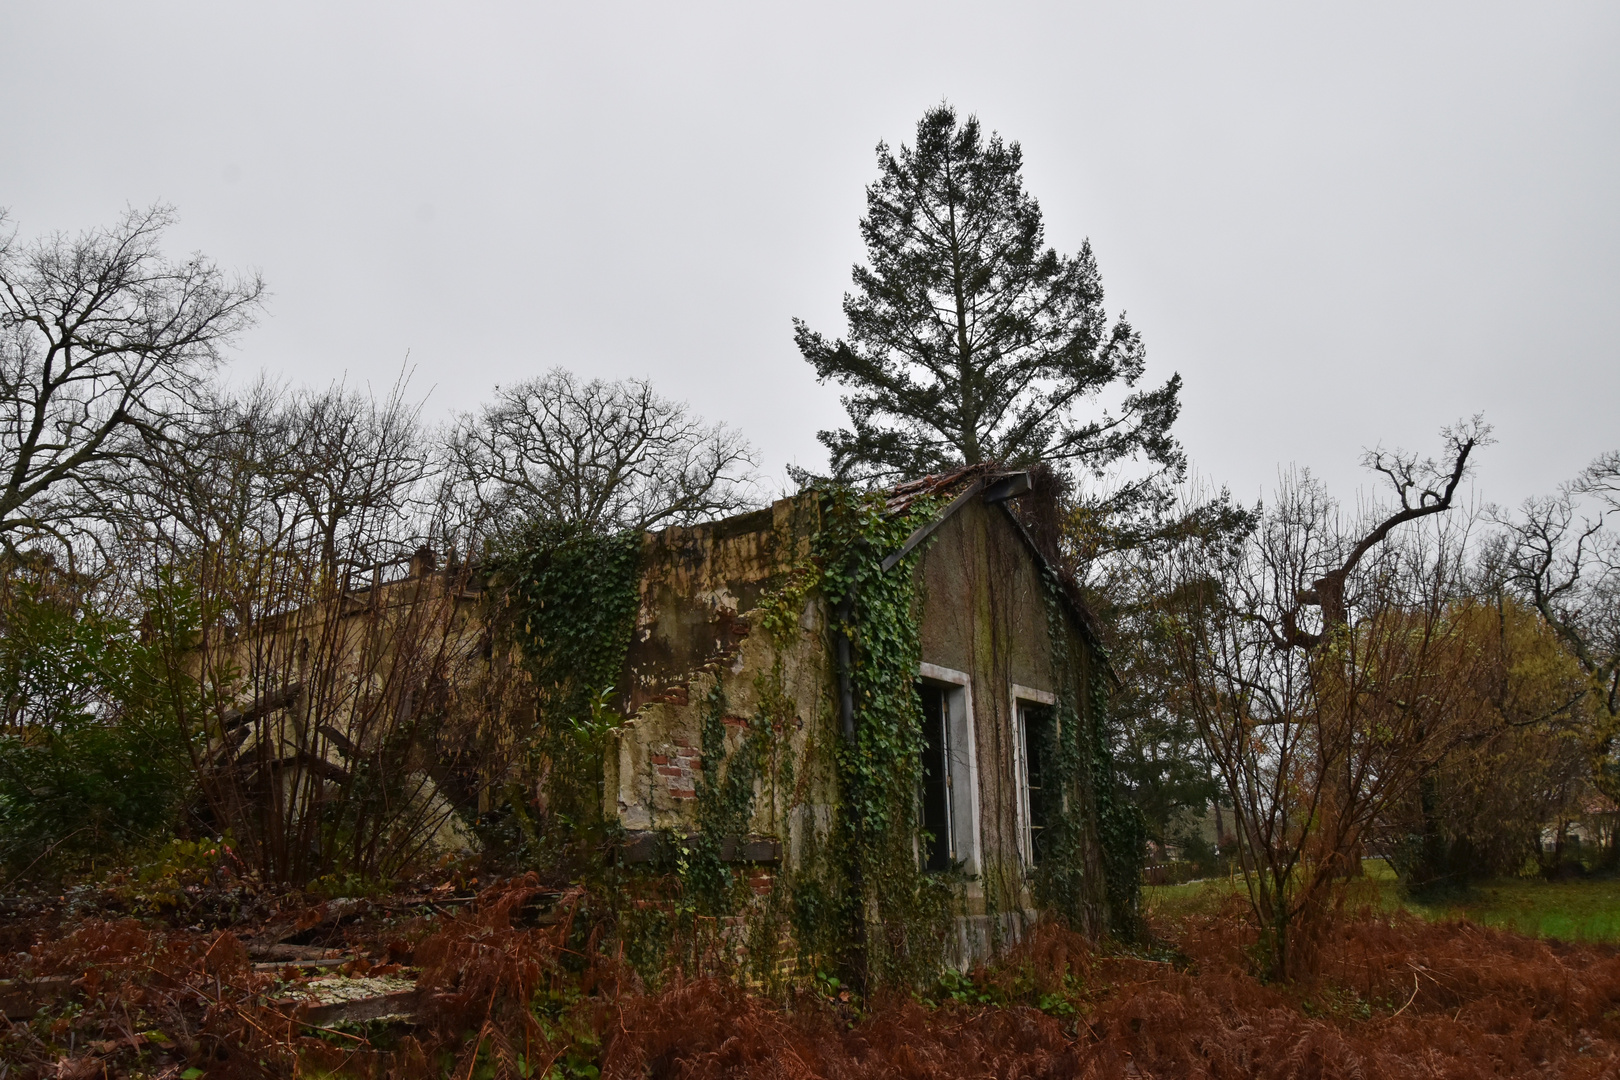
[(647, 846)]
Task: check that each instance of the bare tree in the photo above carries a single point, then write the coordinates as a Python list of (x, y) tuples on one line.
[(1423, 488), (599, 456), (216, 492), (334, 481), (104, 344), (358, 468), (1518, 758), (1315, 731), (1563, 558)]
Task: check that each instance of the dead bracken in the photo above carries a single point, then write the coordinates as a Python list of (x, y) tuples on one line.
[(516, 982)]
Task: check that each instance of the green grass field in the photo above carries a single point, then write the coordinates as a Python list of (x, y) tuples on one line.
[(1565, 910)]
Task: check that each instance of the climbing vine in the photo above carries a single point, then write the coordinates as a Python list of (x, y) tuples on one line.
[(1082, 764), (894, 916), (570, 601), (743, 759), (726, 794), (852, 897), (855, 896), (1122, 832)]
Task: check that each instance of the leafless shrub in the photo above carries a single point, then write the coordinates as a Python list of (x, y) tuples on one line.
[(341, 673), (1561, 555)]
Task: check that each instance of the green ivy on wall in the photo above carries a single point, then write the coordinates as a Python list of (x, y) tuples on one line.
[(570, 603), (1082, 764), (895, 918), (854, 898)]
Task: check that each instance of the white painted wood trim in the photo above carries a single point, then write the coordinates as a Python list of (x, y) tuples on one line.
[(1029, 693), (1020, 768), (945, 675)]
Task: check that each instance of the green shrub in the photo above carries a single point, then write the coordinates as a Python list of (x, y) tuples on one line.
[(94, 756)]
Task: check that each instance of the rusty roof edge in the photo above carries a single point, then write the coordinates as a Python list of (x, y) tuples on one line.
[(995, 481), (927, 529), (899, 498)]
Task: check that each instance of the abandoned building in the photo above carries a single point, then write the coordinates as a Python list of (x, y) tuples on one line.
[(742, 663), (1001, 643)]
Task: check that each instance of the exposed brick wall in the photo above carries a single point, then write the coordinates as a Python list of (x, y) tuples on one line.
[(678, 768)]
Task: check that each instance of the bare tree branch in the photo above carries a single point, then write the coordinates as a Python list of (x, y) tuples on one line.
[(597, 455), (1424, 488), (104, 346)]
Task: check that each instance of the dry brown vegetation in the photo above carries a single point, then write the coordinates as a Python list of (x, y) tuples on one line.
[(526, 981)]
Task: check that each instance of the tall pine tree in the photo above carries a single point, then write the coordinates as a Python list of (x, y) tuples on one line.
[(969, 339)]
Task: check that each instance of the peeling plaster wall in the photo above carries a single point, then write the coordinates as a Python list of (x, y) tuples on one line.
[(653, 773), (696, 627), (697, 585)]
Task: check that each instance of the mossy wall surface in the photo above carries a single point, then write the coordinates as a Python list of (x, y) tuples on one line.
[(700, 631)]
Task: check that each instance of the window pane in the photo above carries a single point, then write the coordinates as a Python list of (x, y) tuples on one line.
[(1038, 731), (938, 850)]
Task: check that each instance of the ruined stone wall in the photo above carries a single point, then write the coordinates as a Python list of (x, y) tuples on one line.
[(697, 585), (316, 690)]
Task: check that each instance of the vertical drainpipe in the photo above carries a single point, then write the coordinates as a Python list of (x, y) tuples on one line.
[(842, 649)]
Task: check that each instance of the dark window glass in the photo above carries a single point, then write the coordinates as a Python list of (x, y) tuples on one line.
[(938, 850), (1039, 730)]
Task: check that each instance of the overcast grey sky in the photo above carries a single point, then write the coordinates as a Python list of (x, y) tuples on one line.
[(1341, 223)]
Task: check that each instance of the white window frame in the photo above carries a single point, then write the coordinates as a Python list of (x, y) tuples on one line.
[(964, 763), (1022, 695)]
